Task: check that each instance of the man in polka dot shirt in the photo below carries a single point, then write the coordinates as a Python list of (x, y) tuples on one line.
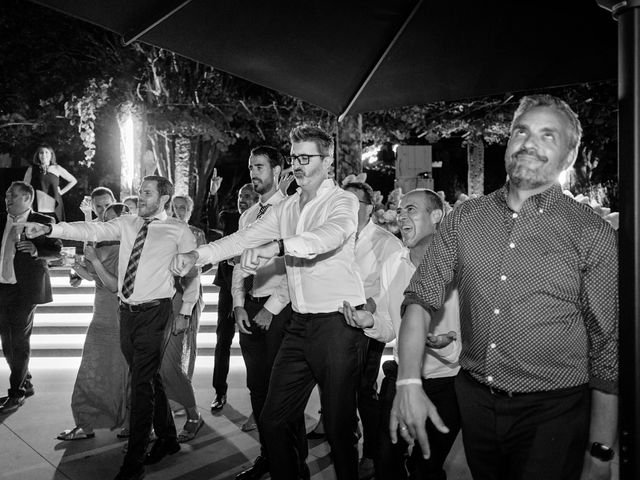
[(537, 275)]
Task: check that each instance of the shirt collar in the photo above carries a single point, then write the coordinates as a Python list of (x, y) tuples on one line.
[(542, 200)]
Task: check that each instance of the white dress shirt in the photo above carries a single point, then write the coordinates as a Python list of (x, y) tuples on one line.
[(319, 248), (166, 237), (268, 277), (394, 279), (7, 255), (374, 247)]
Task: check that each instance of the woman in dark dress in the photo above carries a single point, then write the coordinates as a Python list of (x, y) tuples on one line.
[(44, 176)]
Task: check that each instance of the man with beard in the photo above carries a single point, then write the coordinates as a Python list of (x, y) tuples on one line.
[(314, 230), (260, 311), (148, 242), (538, 283)]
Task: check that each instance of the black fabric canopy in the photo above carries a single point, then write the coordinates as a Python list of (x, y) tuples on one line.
[(353, 56), (406, 51)]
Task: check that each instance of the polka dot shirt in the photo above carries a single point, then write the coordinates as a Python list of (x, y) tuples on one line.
[(538, 291)]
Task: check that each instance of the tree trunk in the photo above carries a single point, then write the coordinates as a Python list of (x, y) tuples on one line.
[(349, 147), (182, 158), (475, 160)]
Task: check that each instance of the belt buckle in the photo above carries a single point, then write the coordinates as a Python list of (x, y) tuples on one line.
[(496, 392)]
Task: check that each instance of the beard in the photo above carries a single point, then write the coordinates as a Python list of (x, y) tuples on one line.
[(522, 175), (261, 187)]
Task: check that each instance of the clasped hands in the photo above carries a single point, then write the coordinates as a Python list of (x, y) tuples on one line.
[(250, 261)]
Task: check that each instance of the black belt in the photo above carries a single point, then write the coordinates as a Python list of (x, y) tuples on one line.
[(258, 300), (142, 307), (496, 392)]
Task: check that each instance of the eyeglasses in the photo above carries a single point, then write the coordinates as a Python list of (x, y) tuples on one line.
[(302, 159)]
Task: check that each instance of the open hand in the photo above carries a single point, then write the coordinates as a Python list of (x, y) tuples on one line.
[(263, 319), (285, 181), (356, 318)]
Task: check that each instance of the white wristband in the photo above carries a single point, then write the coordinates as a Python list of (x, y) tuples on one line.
[(408, 381)]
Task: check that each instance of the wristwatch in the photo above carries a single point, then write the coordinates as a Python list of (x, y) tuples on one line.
[(50, 228), (602, 452)]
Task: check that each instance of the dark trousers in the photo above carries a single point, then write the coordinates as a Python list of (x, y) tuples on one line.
[(16, 324), (225, 330), (393, 461), (524, 437), (368, 404), (142, 340), (317, 348), (259, 352)]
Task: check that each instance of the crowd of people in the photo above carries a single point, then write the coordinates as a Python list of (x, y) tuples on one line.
[(504, 312)]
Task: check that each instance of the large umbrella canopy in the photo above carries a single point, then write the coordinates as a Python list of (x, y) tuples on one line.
[(356, 55)]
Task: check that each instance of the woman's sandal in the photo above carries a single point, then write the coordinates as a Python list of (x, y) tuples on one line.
[(190, 429), (76, 433)]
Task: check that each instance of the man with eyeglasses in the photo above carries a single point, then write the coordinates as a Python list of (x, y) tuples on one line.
[(314, 230)]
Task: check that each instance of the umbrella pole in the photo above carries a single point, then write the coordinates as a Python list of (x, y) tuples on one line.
[(629, 236)]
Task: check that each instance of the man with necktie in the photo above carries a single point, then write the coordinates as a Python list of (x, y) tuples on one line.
[(261, 302), (24, 283), (148, 242)]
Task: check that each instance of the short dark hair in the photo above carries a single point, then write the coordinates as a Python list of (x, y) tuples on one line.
[(315, 134), (99, 191), (434, 201), (118, 207), (36, 160), (25, 187), (164, 186), (275, 158), (365, 188)]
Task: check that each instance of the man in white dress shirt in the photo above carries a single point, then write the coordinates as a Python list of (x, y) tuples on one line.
[(148, 242), (419, 214), (314, 230), (260, 312), (374, 247)]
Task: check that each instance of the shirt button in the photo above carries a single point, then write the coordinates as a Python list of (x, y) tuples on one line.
[(490, 378), (503, 277), (496, 311), (512, 245), (515, 215), (493, 345)]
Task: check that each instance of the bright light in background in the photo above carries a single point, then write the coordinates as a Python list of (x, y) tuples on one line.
[(128, 145), (370, 154)]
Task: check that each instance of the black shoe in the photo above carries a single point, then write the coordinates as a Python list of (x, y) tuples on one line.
[(259, 469), (218, 403), (11, 404), (29, 391), (161, 448), (130, 473)]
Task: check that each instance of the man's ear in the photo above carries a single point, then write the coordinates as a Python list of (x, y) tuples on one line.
[(277, 172), (436, 216), (164, 199), (327, 162)]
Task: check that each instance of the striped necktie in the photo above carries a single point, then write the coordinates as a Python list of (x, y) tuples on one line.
[(134, 259), (248, 281)]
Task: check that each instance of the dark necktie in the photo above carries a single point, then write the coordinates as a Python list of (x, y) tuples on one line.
[(248, 281), (134, 259)]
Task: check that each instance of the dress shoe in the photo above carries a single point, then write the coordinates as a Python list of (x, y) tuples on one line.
[(218, 403), (161, 448), (366, 470), (29, 391), (130, 473), (259, 468), (11, 404)]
